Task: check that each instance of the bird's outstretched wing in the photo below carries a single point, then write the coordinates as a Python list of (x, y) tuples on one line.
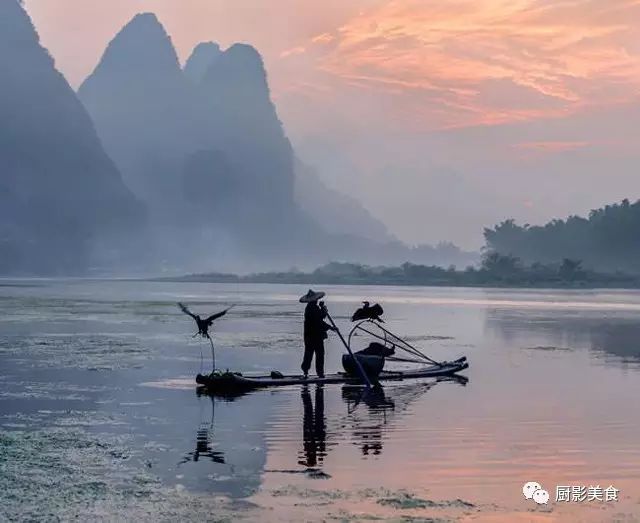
[(184, 309), (217, 315), (360, 314), (368, 312)]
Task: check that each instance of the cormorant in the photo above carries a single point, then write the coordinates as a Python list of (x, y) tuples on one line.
[(203, 325), (368, 312), (203, 328)]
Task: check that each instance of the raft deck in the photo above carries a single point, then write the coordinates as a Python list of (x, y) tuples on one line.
[(233, 382)]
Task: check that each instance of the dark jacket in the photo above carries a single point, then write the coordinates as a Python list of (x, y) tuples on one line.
[(315, 329)]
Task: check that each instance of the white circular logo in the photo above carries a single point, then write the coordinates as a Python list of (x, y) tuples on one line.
[(529, 488), (541, 497)]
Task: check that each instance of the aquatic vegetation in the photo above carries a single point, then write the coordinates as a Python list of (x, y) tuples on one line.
[(549, 348), (65, 474), (311, 473), (405, 500), (84, 351), (292, 490)]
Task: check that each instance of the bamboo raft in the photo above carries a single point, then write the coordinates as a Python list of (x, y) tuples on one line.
[(235, 382)]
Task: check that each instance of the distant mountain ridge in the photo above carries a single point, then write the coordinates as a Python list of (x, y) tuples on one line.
[(209, 139), (144, 112), (181, 169), (62, 198), (246, 125)]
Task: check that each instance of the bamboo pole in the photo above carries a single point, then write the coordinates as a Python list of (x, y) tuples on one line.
[(363, 374)]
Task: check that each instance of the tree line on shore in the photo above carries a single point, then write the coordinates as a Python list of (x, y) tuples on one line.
[(495, 270), (608, 240)]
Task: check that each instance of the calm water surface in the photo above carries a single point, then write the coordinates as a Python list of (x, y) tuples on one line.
[(99, 416)]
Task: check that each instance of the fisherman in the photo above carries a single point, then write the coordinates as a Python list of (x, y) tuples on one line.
[(315, 332)]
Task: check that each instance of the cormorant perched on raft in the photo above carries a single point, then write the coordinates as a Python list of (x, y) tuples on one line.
[(368, 312), (203, 325)]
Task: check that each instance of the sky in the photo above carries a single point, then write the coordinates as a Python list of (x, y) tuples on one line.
[(441, 116)]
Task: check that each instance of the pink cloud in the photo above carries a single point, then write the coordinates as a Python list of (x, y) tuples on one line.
[(293, 51), (491, 61)]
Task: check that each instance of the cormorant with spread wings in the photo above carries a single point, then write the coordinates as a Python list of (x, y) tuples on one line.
[(203, 324), (368, 312), (203, 328)]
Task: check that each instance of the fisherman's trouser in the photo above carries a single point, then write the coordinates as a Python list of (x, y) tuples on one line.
[(313, 346)]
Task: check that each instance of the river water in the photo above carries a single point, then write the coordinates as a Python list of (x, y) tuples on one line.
[(100, 418)]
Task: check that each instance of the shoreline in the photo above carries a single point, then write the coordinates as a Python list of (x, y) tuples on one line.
[(24, 281), (373, 283)]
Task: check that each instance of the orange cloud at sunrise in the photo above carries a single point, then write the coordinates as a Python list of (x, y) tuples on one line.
[(438, 63), (490, 61)]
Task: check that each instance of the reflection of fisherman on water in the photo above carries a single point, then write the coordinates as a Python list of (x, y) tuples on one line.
[(368, 426), (315, 331), (314, 428)]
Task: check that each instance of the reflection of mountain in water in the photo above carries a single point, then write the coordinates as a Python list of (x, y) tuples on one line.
[(613, 334)]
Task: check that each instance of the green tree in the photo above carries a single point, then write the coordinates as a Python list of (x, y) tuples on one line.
[(571, 270), (501, 265)]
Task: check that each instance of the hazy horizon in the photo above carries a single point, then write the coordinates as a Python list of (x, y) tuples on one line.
[(472, 112)]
